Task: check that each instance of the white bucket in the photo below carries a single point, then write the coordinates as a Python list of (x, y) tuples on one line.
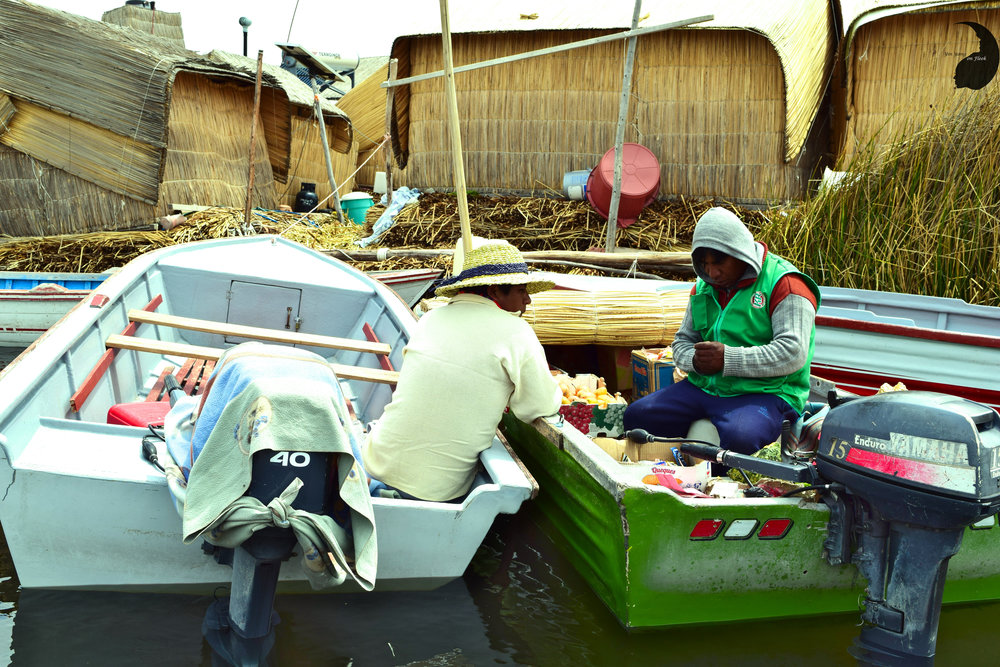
[(379, 183), (575, 184)]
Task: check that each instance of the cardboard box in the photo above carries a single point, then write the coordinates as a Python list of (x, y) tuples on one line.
[(650, 451), (652, 369)]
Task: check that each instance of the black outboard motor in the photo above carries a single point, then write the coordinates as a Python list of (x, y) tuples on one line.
[(918, 468), (904, 474), (250, 614)]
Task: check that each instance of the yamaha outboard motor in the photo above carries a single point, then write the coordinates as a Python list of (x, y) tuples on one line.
[(917, 468), (904, 474)]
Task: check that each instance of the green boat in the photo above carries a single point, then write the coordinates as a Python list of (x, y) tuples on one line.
[(657, 558)]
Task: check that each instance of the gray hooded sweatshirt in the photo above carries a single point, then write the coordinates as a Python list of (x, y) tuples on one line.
[(792, 321)]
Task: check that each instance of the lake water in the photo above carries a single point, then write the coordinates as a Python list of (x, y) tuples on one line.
[(520, 603)]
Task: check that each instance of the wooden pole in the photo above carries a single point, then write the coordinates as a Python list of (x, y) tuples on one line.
[(550, 50), (390, 97), (253, 137), (676, 262), (326, 150), (616, 189), (456, 137)]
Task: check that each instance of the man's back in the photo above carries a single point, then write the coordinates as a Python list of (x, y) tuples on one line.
[(465, 363)]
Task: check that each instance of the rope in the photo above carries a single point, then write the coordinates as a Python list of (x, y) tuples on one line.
[(324, 200)]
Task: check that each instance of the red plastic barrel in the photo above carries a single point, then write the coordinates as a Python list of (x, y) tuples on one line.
[(640, 182)]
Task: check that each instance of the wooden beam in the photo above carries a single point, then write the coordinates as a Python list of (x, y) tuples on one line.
[(117, 341), (552, 49), (82, 393), (257, 333), (677, 262)]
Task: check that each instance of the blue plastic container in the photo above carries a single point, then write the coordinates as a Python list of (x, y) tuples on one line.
[(356, 205)]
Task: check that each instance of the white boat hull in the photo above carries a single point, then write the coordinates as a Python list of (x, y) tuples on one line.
[(82, 509)]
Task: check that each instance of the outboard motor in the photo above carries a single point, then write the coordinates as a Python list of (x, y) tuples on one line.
[(904, 474), (250, 614), (917, 469)]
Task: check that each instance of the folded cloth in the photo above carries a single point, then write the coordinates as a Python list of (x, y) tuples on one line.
[(400, 198), (270, 397)]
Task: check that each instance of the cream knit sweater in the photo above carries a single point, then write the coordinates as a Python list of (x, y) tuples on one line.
[(465, 363)]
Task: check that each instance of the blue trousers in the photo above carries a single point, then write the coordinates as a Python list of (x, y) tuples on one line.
[(745, 423)]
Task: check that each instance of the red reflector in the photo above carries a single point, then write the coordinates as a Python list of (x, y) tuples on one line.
[(707, 529), (774, 529)]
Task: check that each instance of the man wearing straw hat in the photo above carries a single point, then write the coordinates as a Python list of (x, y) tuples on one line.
[(746, 342), (466, 362)]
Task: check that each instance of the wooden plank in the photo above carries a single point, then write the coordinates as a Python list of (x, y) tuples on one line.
[(552, 49), (157, 389), (257, 333), (383, 360), (343, 371), (78, 398)]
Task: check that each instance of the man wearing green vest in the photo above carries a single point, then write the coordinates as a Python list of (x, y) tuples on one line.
[(746, 342)]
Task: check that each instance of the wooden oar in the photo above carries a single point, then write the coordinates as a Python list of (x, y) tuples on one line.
[(117, 341), (257, 333)]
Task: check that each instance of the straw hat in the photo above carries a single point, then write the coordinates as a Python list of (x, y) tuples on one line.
[(493, 263)]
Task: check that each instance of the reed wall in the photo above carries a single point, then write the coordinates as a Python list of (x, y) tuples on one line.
[(901, 74), (209, 144), (710, 104), (37, 199)]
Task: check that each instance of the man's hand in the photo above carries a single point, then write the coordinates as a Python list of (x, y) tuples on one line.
[(709, 357)]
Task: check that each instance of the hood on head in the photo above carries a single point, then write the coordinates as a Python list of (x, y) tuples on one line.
[(721, 230)]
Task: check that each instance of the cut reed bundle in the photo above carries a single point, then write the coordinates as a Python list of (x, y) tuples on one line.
[(567, 317), (537, 223), (98, 252)]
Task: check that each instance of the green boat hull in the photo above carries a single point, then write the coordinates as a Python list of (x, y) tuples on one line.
[(632, 543)]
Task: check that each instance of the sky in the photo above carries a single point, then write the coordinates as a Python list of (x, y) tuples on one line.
[(350, 28)]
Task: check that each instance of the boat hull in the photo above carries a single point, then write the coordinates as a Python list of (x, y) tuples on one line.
[(82, 509), (32, 302), (632, 543)]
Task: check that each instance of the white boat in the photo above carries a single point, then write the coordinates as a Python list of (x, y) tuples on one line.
[(409, 284), (82, 509), (31, 302)]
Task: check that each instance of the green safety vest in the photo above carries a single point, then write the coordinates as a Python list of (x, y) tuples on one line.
[(746, 322)]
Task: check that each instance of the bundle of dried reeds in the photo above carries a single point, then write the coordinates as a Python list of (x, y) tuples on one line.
[(566, 317), (98, 252), (534, 223)]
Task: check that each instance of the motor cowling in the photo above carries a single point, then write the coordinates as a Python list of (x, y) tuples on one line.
[(914, 469), (922, 457)]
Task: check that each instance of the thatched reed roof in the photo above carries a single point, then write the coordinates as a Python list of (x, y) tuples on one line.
[(85, 108), (897, 64), (800, 31), (728, 107), (166, 25)]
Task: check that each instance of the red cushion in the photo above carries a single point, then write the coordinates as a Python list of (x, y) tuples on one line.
[(143, 413)]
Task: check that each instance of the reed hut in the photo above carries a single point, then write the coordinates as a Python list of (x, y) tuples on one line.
[(104, 127), (307, 158), (144, 17), (730, 107), (365, 105), (901, 65)]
